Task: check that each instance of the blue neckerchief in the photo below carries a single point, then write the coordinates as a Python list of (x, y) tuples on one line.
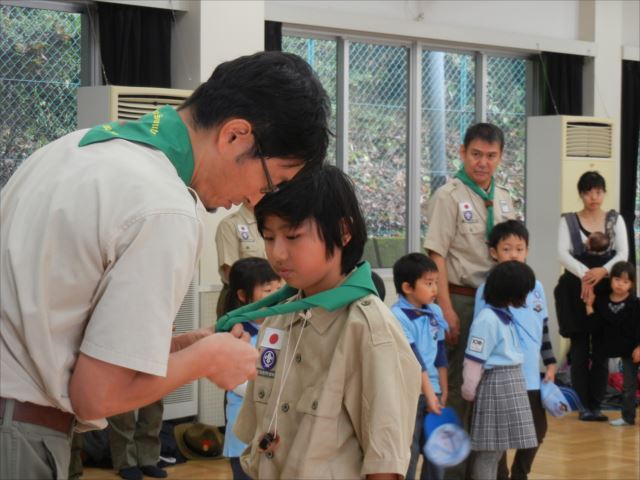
[(412, 312), (503, 314), (250, 327)]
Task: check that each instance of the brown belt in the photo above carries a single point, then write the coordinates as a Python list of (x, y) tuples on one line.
[(40, 415), (459, 290)]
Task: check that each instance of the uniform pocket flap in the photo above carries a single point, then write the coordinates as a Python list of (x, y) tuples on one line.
[(320, 402)]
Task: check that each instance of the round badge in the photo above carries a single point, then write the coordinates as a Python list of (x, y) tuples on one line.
[(268, 359)]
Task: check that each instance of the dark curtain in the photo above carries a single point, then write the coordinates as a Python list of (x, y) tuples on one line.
[(559, 83), (135, 44), (629, 137), (273, 36)]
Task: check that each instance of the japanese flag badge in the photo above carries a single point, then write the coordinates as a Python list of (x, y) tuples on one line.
[(273, 338), (466, 209)]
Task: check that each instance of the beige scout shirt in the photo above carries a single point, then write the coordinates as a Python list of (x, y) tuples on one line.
[(457, 223), (98, 246), (348, 405), (237, 237)]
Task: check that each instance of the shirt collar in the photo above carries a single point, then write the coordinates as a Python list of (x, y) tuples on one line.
[(246, 215), (503, 314)]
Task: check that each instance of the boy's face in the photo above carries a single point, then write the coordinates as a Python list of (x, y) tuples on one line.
[(424, 291), (621, 285), (510, 248), (299, 255)]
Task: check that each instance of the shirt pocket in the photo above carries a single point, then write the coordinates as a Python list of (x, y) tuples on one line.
[(476, 228), (249, 249), (262, 390), (320, 402)]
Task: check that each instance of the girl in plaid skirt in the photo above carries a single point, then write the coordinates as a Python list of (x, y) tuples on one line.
[(493, 375)]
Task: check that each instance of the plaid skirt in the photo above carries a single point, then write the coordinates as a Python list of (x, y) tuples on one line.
[(502, 416)]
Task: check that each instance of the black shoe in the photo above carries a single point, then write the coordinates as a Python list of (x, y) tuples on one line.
[(131, 473), (153, 471), (586, 416), (598, 416)]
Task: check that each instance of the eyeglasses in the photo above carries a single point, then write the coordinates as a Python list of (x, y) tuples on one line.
[(271, 187)]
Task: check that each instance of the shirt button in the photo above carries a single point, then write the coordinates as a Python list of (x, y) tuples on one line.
[(314, 405), (366, 303), (261, 394), (298, 358), (269, 455), (285, 407)]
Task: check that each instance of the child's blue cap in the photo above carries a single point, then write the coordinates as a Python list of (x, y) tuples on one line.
[(554, 399), (572, 398), (447, 443)]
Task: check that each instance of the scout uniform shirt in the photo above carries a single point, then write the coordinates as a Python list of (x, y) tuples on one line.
[(347, 408), (457, 230), (237, 237), (493, 340)]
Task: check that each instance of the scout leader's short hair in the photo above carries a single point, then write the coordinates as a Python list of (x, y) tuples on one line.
[(508, 284), (506, 229), (327, 196), (409, 268), (488, 132), (278, 94)]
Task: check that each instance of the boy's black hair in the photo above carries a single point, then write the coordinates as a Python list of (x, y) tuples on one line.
[(488, 132), (379, 284), (245, 274), (621, 268), (590, 180), (409, 268), (507, 229), (278, 94), (508, 284), (327, 196)]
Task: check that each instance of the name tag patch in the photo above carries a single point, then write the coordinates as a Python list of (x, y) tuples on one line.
[(476, 344), (504, 206)]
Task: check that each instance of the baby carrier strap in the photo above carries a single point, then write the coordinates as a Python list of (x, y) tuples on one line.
[(610, 226), (574, 233)]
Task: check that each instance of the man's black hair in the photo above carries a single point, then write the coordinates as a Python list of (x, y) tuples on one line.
[(246, 274), (484, 131), (590, 180), (278, 94), (620, 268), (507, 229), (409, 268), (328, 196), (508, 284)]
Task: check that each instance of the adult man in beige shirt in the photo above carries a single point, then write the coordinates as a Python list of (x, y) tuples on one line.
[(459, 219), (101, 232), (237, 237)]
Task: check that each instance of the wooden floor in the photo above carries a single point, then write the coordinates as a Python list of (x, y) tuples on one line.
[(571, 450)]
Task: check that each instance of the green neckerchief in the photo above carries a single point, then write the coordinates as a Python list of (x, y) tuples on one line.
[(487, 197), (357, 285), (162, 129)]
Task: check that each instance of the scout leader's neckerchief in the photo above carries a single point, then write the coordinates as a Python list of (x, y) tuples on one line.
[(162, 129), (487, 197), (357, 285), (412, 312)]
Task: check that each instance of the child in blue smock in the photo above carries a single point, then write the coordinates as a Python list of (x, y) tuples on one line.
[(510, 241), (492, 371), (250, 279), (415, 277)]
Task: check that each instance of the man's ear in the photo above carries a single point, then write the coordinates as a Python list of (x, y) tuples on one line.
[(406, 288), (236, 137), (345, 232), (494, 253)]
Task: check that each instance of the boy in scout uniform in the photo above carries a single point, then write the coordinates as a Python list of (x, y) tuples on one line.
[(237, 237), (461, 214), (337, 383)]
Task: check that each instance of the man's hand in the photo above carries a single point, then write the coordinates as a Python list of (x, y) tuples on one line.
[(232, 358), (453, 334), (550, 374)]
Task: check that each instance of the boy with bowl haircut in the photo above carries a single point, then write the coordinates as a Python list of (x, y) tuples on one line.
[(337, 383), (508, 241)]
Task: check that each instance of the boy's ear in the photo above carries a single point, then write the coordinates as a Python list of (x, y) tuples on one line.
[(406, 288), (242, 295), (494, 253), (345, 232)]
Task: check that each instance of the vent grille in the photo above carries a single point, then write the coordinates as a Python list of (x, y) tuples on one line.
[(593, 140), (183, 394), (134, 106)]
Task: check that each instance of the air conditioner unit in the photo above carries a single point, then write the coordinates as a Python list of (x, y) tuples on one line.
[(108, 103), (560, 149), (183, 402)]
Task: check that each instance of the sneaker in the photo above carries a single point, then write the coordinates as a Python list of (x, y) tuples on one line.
[(598, 416), (586, 416), (620, 422), (153, 471)]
